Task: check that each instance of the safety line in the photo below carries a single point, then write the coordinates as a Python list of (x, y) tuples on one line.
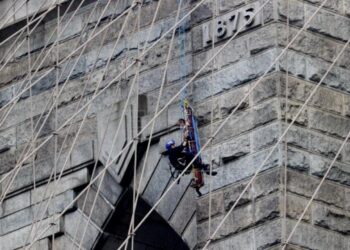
[(163, 81), (118, 128), (107, 86), (14, 12), (7, 10), (95, 64), (214, 68), (17, 97), (171, 100), (61, 127), (334, 159), (286, 103)]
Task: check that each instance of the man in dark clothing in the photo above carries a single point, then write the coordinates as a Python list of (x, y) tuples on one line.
[(179, 157)]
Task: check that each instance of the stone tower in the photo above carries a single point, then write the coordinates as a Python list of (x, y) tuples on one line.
[(71, 48)]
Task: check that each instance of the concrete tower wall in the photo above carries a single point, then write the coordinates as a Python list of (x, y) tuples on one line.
[(258, 221)]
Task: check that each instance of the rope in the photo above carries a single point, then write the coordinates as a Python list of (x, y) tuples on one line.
[(163, 81), (55, 134), (95, 64), (132, 221), (215, 14), (108, 120), (44, 58), (116, 134), (284, 226), (280, 139), (334, 159), (22, 30), (8, 9), (107, 86), (170, 101), (17, 167), (98, 33), (234, 110), (82, 46), (14, 13)]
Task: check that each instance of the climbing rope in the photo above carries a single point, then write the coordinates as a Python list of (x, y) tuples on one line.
[(284, 182), (139, 224), (334, 159)]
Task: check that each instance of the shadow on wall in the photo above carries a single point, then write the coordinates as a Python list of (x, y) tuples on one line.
[(155, 233)]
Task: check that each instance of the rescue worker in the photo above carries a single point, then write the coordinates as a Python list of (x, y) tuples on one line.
[(179, 157)]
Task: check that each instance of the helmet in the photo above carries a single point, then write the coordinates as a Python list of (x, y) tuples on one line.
[(169, 144)]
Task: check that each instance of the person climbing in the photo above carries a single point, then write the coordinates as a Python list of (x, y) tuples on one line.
[(179, 157)]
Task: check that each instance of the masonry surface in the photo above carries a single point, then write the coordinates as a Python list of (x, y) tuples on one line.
[(269, 209)]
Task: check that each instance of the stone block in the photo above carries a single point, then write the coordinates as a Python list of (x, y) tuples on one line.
[(61, 202), (296, 206), (171, 201), (336, 79), (157, 183), (230, 150), (15, 203), (296, 12), (190, 234), (296, 136), (243, 122), (296, 64), (8, 160), (328, 23), (161, 124), (75, 224), (336, 5), (7, 138), (153, 161), (265, 137), (67, 182), (235, 75), (64, 242), (43, 244), (311, 237), (345, 153), (305, 185), (242, 218), (268, 12), (331, 219), (328, 100), (339, 172), (264, 185), (236, 242), (184, 212), (18, 238), (217, 205), (242, 168), (101, 209), (290, 110), (82, 154), (266, 89), (326, 146), (26, 216), (16, 221), (308, 43), (298, 89), (298, 160), (268, 234), (110, 188), (203, 12), (330, 124), (262, 39), (226, 5)]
